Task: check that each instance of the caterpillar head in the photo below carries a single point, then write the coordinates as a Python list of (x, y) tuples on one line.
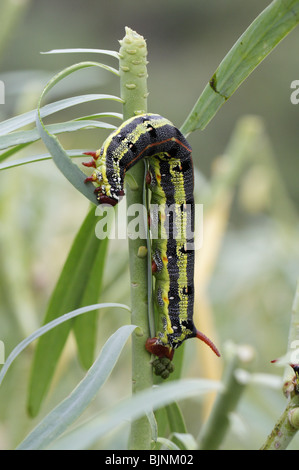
[(106, 193)]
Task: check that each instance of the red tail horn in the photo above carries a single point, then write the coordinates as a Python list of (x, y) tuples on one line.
[(206, 340)]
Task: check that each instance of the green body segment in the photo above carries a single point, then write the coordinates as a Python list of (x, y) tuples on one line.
[(173, 262)]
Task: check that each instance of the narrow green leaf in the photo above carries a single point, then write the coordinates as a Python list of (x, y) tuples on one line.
[(32, 135), (12, 151), (170, 419), (68, 294), (71, 171), (86, 51), (38, 158), (162, 422), (75, 176), (167, 444), (17, 148), (153, 424), (85, 327), (101, 115), (74, 68), (262, 36), (49, 326), (22, 120), (56, 422), (133, 408), (175, 418), (184, 441)]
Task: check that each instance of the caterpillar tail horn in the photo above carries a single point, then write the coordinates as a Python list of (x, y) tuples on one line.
[(206, 340)]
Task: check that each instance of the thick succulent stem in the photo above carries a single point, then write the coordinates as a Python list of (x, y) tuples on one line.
[(288, 424), (133, 76)]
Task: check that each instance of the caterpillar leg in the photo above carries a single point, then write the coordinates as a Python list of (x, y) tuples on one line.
[(90, 179), (92, 163), (94, 155), (103, 198)]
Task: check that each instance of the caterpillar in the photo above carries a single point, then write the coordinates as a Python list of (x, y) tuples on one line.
[(171, 181)]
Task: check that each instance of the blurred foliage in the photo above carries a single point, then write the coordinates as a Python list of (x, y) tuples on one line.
[(252, 281)]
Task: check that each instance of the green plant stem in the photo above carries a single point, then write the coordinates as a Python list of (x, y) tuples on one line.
[(133, 80), (285, 429), (212, 434)]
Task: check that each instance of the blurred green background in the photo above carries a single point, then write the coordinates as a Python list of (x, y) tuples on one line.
[(253, 281)]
